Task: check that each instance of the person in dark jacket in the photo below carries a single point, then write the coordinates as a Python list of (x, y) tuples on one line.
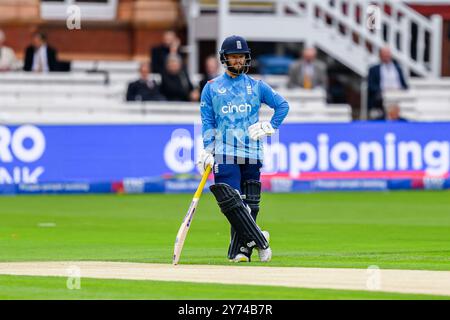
[(144, 89), (39, 56), (384, 76), (170, 45), (175, 82)]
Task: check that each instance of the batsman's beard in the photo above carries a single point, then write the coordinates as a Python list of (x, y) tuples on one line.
[(238, 71)]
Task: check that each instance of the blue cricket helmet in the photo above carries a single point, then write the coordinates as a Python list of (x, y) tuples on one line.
[(235, 44)]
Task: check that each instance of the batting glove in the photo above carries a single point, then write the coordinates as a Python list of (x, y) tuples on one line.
[(260, 130), (206, 158)]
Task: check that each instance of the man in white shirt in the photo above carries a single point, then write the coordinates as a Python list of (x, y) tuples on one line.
[(390, 78), (40, 63), (8, 60), (384, 76)]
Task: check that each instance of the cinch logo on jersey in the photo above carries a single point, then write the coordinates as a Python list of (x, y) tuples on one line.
[(233, 108)]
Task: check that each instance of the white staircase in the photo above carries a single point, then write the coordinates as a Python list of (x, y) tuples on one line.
[(351, 31)]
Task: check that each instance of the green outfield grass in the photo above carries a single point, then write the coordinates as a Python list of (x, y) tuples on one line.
[(14, 287), (401, 230)]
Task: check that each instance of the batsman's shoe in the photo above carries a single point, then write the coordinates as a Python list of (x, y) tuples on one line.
[(265, 255), (240, 258)]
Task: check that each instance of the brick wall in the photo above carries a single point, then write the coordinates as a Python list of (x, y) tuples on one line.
[(139, 25)]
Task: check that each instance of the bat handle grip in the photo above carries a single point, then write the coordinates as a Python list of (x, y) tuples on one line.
[(205, 176)]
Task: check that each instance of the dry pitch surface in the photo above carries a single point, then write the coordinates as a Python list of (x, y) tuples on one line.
[(400, 281)]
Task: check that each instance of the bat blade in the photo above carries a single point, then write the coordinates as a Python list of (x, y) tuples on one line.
[(183, 231), (184, 228)]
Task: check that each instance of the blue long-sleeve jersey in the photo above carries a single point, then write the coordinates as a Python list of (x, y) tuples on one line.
[(229, 106)]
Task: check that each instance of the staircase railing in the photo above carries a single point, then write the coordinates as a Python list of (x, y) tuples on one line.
[(364, 25)]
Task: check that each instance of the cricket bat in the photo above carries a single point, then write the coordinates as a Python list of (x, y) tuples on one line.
[(184, 228)]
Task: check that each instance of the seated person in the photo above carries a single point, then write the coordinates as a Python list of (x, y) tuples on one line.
[(308, 73), (144, 89), (8, 60), (393, 113), (40, 57), (175, 82)]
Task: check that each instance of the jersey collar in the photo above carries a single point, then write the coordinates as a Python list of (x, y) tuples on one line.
[(239, 77)]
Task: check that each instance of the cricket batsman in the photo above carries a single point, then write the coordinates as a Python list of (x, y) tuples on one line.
[(232, 139)]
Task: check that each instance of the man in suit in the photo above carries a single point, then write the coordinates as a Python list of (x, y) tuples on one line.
[(159, 54), (8, 60), (175, 82), (308, 73), (40, 57), (384, 76), (144, 89)]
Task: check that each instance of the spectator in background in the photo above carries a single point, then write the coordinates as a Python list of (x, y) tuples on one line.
[(175, 82), (170, 45), (211, 71), (308, 73), (39, 56), (393, 113), (384, 76), (8, 60), (144, 89)]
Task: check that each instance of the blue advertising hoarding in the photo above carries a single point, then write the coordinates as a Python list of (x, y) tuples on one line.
[(303, 153)]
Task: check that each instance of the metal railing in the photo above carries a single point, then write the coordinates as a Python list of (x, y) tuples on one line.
[(360, 26)]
